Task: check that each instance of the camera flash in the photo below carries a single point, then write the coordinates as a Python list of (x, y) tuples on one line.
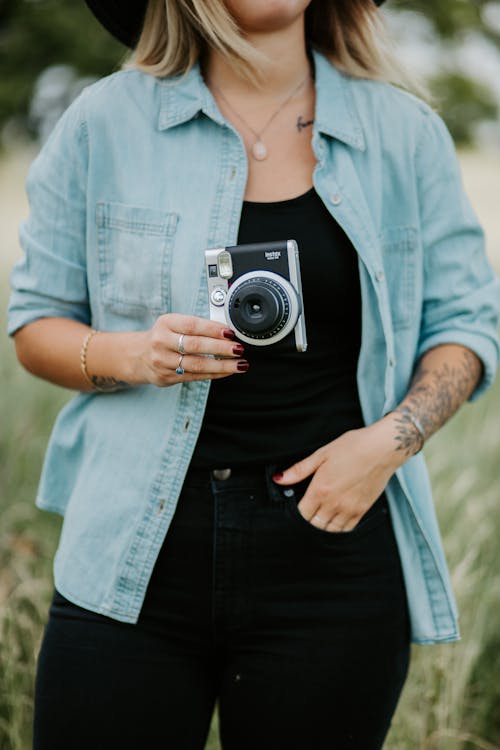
[(225, 265)]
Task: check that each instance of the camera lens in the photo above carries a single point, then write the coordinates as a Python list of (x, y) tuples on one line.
[(259, 307)]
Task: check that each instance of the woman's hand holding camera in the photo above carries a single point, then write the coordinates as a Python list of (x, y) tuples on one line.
[(350, 473), (158, 356)]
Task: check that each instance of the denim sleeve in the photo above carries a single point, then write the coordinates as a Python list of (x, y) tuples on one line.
[(50, 279), (461, 290)]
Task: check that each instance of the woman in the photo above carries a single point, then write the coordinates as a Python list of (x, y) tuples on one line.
[(256, 527)]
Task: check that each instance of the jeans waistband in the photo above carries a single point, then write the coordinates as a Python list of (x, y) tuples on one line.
[(257, 472), (224, 473)]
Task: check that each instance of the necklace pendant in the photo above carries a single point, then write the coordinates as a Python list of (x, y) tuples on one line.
[(259, 150)]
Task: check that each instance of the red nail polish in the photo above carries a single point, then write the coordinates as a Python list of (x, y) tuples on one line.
[(238, 349), (228, 333), (277, 476), (243, 366)]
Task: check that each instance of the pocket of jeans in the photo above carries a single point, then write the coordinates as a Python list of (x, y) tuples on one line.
[(374, 516), (135, 245)]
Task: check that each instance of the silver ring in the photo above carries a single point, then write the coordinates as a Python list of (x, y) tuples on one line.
[(179, 369), (180, 345)]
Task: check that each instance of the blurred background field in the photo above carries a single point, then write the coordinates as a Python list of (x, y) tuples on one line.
[(452, 698)]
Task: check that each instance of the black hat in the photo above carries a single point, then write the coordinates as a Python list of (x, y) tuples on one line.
[(124, 18)]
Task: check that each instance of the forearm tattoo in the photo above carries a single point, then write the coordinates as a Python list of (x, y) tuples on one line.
[(107, 383), (435, 395)]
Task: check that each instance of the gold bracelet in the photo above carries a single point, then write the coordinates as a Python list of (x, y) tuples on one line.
[(83, 358)]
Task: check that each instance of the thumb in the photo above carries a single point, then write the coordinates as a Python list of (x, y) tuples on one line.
[(300, 470)]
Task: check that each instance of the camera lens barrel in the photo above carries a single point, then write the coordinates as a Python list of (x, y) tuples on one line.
[(258, 308), (262, 308)]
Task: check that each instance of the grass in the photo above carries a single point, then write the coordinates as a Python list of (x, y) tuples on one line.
[(451, 700)]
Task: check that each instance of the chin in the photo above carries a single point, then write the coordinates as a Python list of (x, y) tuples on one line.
[(265, 15)]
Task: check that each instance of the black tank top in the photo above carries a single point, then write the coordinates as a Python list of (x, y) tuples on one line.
[(290, 403)]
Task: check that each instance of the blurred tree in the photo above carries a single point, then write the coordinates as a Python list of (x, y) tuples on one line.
[(36, 34), (464, 103), (452, 18)]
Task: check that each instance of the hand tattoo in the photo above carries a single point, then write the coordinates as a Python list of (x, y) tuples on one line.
[(301, 124), (434, 396)]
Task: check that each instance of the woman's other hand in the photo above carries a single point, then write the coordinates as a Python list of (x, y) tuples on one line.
[(350, 473)]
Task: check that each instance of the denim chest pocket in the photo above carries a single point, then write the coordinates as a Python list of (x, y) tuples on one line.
[(135, 246), (400, 257)]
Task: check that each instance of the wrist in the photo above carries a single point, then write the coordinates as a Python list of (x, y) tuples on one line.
[(133, 364), (394, 453), (115, 356)]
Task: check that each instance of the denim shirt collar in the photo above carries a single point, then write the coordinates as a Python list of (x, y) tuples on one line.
[(182, 97)]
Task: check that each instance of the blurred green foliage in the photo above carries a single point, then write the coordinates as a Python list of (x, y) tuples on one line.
[(35, 34), (464, 101), (451, 18), (461, 100)]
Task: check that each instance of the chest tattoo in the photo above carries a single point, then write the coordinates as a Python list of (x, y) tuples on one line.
[(303, 123)]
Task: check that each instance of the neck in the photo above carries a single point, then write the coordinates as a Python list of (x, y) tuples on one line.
[(288, 63)]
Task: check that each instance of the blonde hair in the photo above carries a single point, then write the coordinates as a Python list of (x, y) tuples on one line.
[(351, 33)]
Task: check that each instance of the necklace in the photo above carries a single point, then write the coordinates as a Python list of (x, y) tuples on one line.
[(259, 148)]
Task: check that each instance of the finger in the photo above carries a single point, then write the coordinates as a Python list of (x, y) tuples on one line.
[(192, 363), (343, 521), (220, 347), (322, 518), (319, 500), (188, 376), (301, 469), (337, 524), (319, 519), (192, 325), (309, 506)]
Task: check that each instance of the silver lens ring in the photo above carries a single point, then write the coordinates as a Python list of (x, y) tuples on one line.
[(293, 303)]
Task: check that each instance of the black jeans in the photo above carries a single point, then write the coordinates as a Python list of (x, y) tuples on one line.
[(300, 635)]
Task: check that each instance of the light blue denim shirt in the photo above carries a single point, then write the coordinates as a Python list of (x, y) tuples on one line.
[(138, 177)]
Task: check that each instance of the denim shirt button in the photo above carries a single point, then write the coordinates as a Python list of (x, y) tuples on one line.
[(392, 361), (379, 275), (335, 198)]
